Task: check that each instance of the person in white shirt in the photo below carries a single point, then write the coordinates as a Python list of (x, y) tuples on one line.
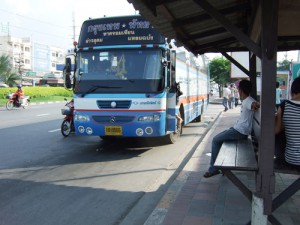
[(236, 97), (240, 130), (226, 93), (231, 96)]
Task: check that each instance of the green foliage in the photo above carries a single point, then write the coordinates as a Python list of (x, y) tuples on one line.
[(7, 74), (219, 69), (38, 92), (283, 65)]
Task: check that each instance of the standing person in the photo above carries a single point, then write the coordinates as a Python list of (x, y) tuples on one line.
[(226, 93), (236, 97), (240, 130), (278, 95), (288, 121), (231, 96)]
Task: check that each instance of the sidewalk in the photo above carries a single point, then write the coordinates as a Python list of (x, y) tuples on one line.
[(195, 200)]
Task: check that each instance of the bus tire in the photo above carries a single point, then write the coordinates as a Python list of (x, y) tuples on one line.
[(173, 137), (197, 119)]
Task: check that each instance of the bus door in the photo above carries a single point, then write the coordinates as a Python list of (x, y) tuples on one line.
[(172, 99)]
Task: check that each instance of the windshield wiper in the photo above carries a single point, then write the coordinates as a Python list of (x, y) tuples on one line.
[(96, 87)]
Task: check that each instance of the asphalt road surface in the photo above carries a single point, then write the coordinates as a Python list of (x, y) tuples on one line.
[(46, 179)]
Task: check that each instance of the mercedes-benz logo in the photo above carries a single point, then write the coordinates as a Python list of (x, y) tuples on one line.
[(112, 119), (113, 104)]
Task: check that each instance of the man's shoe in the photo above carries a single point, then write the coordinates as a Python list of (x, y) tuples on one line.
[(209, 174)]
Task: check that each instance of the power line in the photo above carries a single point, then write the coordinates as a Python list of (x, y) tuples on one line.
[(27, 17), (28, 28)]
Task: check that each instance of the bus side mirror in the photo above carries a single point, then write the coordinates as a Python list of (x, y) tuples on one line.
[(67, 73)]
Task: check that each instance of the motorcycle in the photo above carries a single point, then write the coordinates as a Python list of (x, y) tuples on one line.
[(12, 102), (67, 125)]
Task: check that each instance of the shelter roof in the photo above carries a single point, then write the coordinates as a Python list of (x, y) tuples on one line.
[(190, 24)]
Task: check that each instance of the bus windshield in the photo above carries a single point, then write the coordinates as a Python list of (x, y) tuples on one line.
[(130, 70)]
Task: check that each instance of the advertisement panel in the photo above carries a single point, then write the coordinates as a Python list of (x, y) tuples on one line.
[(295, 69), (41, 60), (283, 79), (243, 59)]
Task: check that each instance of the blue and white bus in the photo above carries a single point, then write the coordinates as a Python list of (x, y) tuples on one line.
[(126, 81)]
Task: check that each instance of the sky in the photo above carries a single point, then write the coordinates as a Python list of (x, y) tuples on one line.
[(52, 22)]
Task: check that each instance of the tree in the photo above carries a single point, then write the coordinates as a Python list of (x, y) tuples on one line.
[(7, 74), (219, 69), (283, 65)]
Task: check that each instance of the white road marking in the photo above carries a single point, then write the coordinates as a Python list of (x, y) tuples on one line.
[(51, 131), (46, 114)]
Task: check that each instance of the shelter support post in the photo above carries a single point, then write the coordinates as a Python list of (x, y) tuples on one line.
[(265, 176), (253, 74), (258, 218)]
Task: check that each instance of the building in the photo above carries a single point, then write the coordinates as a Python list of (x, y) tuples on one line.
[(19, 50), (31, 59)]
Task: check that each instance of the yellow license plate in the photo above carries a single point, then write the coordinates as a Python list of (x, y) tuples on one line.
[(113, 130)]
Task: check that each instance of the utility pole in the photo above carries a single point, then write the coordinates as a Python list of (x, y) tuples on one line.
[(20, 64), (74, 34)]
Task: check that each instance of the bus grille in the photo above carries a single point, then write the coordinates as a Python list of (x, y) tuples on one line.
[(113, 119), (123, 104)]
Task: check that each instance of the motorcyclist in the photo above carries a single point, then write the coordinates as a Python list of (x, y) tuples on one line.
[(19, 94)]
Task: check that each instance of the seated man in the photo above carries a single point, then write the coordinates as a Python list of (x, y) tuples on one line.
[(240, 130)]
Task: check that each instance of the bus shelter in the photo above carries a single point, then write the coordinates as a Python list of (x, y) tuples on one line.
[(261, 27)]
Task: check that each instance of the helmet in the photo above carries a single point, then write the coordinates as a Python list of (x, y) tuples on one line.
[(19, 85)]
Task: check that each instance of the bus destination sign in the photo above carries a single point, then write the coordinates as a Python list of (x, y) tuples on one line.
[(118, 31)]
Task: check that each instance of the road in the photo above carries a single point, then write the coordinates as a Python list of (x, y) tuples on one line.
[(48, 179)]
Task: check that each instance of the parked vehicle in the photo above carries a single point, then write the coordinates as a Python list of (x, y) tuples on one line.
[(67, 125), (126, 78), (12, 102)]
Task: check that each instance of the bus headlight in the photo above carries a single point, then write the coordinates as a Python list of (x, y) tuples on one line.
[(149, 130), (139, 132), (81, 129), (154, 117), (89, 130), (81, 118)]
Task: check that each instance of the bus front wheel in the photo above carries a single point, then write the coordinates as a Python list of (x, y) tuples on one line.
[(173, 137)]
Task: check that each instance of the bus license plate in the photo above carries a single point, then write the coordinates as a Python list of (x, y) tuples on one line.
[(113, 130)]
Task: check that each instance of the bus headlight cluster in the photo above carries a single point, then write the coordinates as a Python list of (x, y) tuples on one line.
[(155, 117), (140, 131), (81, 118), (88, 130)]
